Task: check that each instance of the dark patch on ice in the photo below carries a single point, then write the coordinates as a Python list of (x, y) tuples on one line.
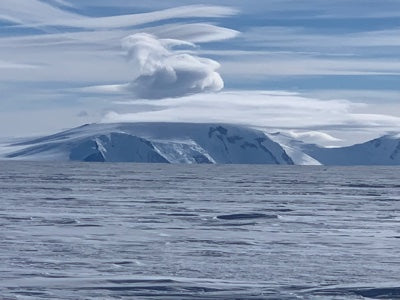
[(246, 216), (160, 202), (59, 198), (278, 210), (372, 186), (16, 218), (173, 289), (65, 221), (29, 294), (186, 177), (122, 263), (54, 276), (218, 242), (150, 288), (180, 215), (371, 293), (209, 253), (125, 288), (235, 224), (364, 185), (60, 189), (380, 293)]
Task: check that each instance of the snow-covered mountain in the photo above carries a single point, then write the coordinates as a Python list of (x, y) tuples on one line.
[(381, 151), (196, 144), (156, 143)]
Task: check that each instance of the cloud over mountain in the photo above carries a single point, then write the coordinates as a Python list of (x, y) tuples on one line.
[(165, 72)]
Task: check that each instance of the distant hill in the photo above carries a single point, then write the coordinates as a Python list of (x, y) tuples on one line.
[(381, 151)]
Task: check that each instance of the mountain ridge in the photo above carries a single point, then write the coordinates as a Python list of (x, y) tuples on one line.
[(196, 143)]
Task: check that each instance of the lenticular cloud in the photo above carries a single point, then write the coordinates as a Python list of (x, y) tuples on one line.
[(163, 71)]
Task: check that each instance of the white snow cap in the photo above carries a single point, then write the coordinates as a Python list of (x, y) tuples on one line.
[(164, 72)]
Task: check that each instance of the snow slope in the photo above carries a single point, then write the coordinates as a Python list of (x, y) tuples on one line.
[(156, 143), (381, 151), (294, 149)]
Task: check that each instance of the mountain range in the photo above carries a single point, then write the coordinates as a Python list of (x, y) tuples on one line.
[(187, 143)]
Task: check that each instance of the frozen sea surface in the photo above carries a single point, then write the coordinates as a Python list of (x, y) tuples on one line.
[(127, 231)]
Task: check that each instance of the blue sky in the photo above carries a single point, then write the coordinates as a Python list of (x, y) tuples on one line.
[(302, 66)]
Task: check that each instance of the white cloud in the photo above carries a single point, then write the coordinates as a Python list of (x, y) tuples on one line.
[(34, 13), (314, 137), (164, 72), (278, 9), (19, 66), (380, 96), (263, 109), (110, 39), (63, 3), (184, 12), (297, 37), (195, 32), (160, 71), (298, 65)]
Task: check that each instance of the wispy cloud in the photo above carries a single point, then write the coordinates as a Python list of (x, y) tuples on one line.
[(193, 32), (19, 66), (313, 137), (295, 37), (35, 13), (297, 65), (264, 109), (64, 3), (293, 51), (280, 9)]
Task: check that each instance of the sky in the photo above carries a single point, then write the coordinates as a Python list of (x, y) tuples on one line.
[(324, 71)]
